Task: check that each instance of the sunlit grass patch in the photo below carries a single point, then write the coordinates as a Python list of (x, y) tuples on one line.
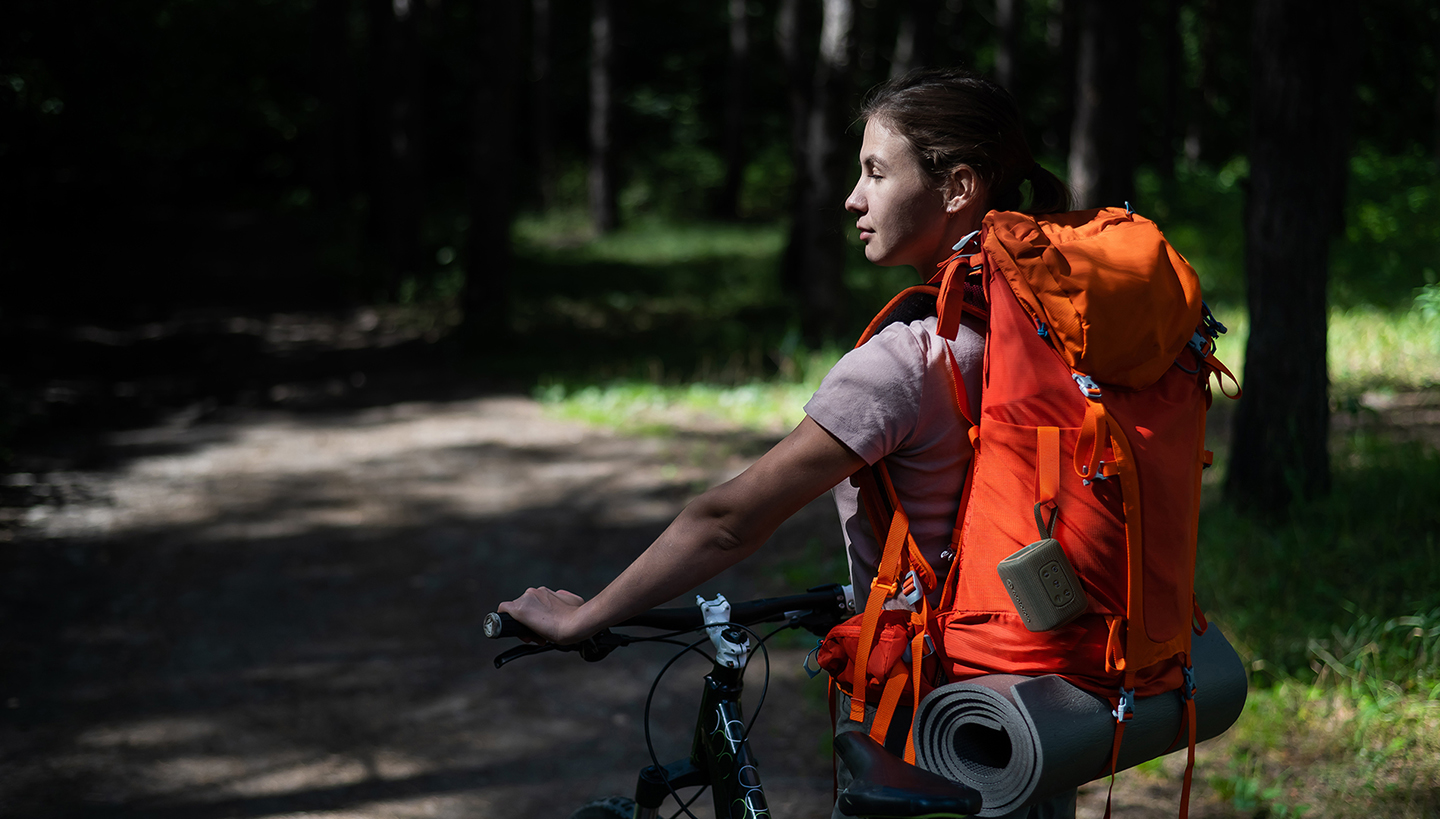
[(773, 406), (1333, 752), (1371, 348)]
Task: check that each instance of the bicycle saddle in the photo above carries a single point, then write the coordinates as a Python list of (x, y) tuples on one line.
[(889, 787)]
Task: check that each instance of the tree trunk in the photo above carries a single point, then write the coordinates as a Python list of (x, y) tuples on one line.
[(728, 204), (1103, 135), (542, 114), (1174, 88), (333, 155), (602, 174), (1007, 23), (915, 37), (1300, 104), (489, 257), (1202, 102), (397, 210), (815, 256), (1062, 34)]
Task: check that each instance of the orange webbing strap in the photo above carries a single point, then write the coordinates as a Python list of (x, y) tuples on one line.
[(1047, 463), (889, 702), (1204, 625), (917, 658), (834, 766), (1124, 712), (1134, 527), (917, 562), (950, 304), (886, 583), (1189, 760), (958, 393), (1221, 369), (1093, 432)]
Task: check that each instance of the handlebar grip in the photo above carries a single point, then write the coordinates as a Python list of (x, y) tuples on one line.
[(498, 625)]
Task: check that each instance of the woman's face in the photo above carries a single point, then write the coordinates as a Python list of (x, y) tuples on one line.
[(903, 219)]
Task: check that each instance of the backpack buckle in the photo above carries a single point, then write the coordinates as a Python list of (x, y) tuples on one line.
[(1125, 709), (1187, 690), (969, 237), (805, 663), (911, 589), (1087, 385), (909, 656)]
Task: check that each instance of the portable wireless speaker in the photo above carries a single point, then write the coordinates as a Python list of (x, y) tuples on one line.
[(1042, 585)]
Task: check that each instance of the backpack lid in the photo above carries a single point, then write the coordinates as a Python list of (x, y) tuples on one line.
[(1118, 300)]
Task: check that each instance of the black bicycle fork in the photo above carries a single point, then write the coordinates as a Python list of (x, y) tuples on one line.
[(720, 757)]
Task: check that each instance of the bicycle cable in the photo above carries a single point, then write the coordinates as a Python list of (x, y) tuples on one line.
[(645, 722), (650, 698)]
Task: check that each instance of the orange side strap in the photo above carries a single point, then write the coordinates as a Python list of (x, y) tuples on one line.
[(1093, 432), (917, 659), (1121, 717), (1221, 369), (950, 304), (1189, 760), (958, 392), (834, 765), (1047, 463), (884, 587), (889, 700)]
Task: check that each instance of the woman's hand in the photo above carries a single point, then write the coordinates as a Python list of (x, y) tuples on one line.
[(550, 614)]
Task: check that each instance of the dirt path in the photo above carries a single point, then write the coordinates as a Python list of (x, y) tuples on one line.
[(276, 614)]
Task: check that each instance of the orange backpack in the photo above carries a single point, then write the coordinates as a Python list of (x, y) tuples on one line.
[(1098, 355)]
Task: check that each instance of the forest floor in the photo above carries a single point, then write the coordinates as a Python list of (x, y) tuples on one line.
[(272, 612)]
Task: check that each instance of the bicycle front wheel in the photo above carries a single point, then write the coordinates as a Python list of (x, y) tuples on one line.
[(611, 807)]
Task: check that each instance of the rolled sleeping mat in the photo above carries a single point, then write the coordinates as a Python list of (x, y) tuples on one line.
[(1019, 740)]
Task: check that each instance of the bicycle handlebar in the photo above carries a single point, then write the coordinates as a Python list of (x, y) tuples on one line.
[(827, 603)]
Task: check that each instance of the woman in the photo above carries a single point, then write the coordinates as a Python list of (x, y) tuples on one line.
[(941, 149)]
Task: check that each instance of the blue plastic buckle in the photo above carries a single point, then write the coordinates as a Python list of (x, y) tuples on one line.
[(1125, 711), (1041, 330), (1188, 689), (1198, 344), (805, 663), (916, 590), (969, 237)]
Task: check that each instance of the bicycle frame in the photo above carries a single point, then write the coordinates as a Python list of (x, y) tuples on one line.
[(720, 757)]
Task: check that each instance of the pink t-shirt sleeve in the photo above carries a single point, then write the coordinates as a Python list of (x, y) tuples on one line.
[(871, 399)]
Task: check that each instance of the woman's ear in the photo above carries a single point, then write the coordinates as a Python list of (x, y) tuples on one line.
[(964, 189)]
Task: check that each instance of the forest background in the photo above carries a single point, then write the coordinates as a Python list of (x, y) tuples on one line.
[(633, 211)]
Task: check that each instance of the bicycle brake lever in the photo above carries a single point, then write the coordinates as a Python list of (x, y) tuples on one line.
[(521, 651), (592, 650)]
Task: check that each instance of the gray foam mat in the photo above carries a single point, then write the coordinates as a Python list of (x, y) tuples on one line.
[(1019, 740)]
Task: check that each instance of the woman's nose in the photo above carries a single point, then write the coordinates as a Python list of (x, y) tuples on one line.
[(855, 202)]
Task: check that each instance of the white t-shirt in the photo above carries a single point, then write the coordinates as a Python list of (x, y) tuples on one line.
[(891, 398)]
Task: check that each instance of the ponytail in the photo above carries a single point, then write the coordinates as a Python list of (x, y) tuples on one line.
[(1048, 193)]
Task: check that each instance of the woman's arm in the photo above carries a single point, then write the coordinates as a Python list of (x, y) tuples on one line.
[(717, 530)]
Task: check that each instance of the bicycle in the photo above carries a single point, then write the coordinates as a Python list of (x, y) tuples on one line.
[(884, 786)]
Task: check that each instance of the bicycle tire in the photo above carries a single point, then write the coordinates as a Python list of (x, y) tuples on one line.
[(611, 807)]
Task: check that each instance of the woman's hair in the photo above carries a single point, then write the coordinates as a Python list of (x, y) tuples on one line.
[(951, 118)]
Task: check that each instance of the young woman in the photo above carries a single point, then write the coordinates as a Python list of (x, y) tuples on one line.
[(941, 149)]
